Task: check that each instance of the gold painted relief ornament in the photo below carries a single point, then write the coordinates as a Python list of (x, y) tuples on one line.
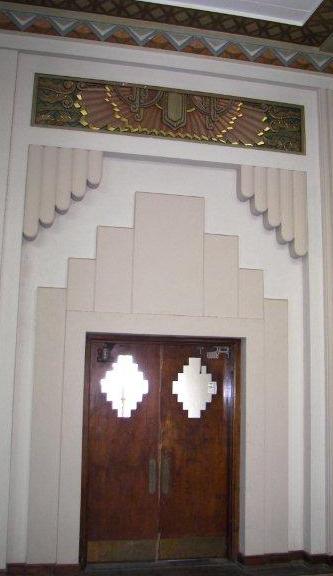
[(164, 113), (143, 110)]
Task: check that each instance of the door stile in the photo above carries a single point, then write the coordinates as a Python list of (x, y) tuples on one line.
[(84, 472), (233, 367)]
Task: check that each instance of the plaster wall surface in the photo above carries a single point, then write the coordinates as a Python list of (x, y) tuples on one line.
[(8, 68), (44, 263), (262, 323), (73, 236)]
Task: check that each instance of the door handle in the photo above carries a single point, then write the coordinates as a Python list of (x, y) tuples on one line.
[(165, 474), (152, 476)]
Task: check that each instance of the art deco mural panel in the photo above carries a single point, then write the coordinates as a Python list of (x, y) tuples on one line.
[(154, 111)]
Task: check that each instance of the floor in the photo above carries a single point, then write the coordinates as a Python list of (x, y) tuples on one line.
[(208, 568)]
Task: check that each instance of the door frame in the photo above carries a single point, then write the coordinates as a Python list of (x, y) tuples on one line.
[(233, 372)]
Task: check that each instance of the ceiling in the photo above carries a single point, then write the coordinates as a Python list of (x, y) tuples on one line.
[(295, 12)]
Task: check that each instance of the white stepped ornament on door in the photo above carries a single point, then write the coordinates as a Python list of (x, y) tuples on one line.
[(194, 387), (124, 385)]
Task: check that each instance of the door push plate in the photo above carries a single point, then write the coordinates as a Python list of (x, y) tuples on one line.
[(152, 476), (165, 474)]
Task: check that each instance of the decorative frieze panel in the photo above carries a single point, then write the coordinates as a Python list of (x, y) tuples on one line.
[(54, 177), (280, 196), (164, 113)]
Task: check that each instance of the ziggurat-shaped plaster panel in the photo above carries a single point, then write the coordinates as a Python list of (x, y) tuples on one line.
[(224, 300), (120, 279), (57, 175)]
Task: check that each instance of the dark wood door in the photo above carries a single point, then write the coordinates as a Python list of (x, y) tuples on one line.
[(158, 483), (122, 509), (194, 460)]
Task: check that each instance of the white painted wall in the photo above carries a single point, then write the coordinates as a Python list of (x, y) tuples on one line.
[(44, 263), (8, 66), (73, 235), (326, 134)]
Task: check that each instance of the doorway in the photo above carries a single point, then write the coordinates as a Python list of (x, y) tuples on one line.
[(160, 473)]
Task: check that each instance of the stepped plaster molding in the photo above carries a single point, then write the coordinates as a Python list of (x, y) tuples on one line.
[(280, 196), (57, 175), (54, 177), (135, 285)]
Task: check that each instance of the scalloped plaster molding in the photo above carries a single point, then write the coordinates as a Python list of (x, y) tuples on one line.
[(54, 176), (280, 196)]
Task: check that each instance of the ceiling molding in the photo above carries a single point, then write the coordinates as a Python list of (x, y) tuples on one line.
[(52, 22), (328, 44), (314, 32)]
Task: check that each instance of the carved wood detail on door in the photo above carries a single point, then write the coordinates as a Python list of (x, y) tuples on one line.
[(160, 483)]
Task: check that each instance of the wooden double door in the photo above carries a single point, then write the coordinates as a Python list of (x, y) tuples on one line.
[(160, 469)]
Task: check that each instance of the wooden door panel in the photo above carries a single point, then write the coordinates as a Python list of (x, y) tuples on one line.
[(122, 507), (194, 504)]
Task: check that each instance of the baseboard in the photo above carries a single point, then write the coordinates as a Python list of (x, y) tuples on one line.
[(43, 569), (284, 558), (67, 569), (318, 558), (256, 560)]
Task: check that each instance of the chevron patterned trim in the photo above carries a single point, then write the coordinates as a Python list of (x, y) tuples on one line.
[(313, 33), (153, 37)]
